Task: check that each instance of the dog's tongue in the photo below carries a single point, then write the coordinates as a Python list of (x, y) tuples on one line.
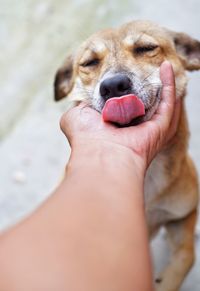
[(123, 110)]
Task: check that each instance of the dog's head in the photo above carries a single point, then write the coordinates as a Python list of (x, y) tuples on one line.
[(117, 62)]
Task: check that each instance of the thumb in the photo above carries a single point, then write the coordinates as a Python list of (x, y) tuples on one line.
[(166, 107)]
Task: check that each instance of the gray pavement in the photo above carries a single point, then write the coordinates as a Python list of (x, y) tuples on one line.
[(35, 36)]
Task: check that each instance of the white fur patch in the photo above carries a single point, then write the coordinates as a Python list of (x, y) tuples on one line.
[(155, 180), (130, 40), (98, 47)]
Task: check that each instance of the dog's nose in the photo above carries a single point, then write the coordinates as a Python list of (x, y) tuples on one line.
[(116, 86)]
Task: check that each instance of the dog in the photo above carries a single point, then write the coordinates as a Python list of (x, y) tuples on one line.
[(126, 60)]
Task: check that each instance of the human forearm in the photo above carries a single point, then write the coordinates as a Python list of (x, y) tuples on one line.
[(111, 209), (96, 221)]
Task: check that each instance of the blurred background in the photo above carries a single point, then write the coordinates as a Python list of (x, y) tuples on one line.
[(35, 37)]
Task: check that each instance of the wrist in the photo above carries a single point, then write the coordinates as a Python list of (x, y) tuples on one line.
[(107, 155)]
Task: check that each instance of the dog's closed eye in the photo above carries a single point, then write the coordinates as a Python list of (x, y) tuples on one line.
[(144, 49), (90, 63)]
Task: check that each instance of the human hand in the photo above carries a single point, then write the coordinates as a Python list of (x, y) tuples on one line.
[(84, 126)]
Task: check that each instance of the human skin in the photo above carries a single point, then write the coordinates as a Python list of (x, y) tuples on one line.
[(91, 233)]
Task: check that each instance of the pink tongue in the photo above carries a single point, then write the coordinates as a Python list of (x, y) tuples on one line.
[(123, 110)]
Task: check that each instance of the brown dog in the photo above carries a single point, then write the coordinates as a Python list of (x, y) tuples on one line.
[(117, 62)]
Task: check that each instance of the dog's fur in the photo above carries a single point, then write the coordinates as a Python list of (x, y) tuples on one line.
[(137, 50)]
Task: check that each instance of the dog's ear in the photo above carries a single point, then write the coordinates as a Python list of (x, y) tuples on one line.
[(63, 82), (188, 50)]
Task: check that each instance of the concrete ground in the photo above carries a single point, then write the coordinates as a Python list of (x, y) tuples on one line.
[(35, 36)]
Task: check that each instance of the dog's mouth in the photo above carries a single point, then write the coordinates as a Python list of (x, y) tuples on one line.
[(128, 110), (123, 110)]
